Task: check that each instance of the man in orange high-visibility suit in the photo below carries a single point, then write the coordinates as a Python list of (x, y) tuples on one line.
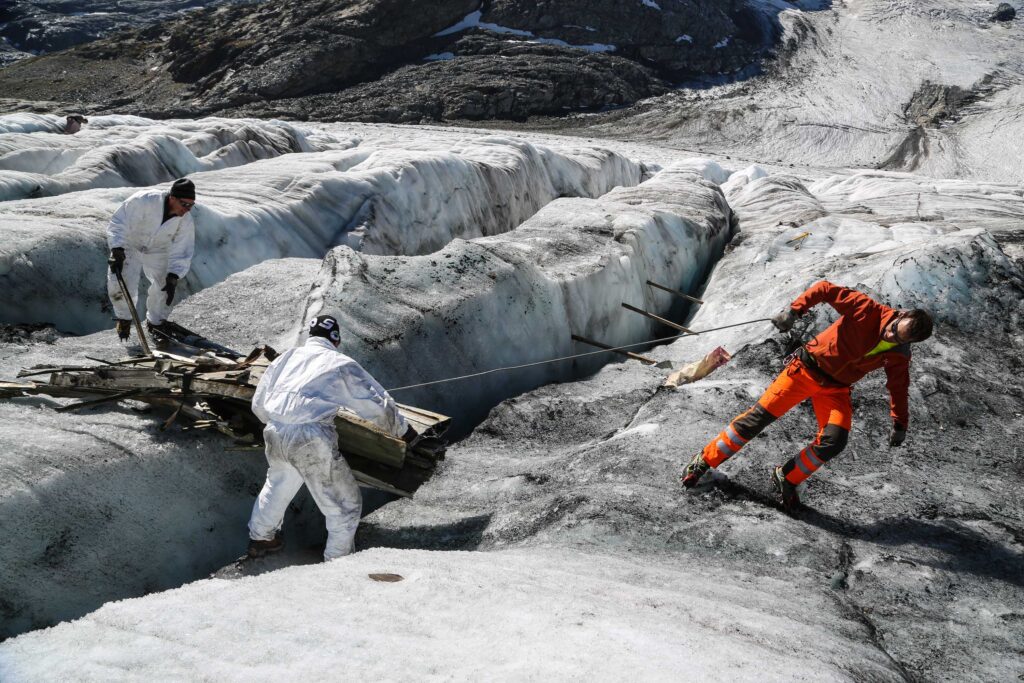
[(866, 337)]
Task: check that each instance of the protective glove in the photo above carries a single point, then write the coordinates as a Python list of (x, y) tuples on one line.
[(784, 320), (116, 260), (410, 437), (897, 435), (172, 282)]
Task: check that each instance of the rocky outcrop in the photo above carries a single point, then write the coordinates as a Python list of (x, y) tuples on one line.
[(1005, 12), (403, 60), (287, 49), (514, 81), (933, 103), (39, 26)]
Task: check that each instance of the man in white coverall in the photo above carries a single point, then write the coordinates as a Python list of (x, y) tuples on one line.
[(298, 398), (152, 233)]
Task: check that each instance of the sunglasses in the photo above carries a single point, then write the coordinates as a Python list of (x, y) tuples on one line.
[(185, 203), (894, 328)]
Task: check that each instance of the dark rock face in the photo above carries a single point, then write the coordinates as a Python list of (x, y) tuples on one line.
[(403, 60), (514, 81), (38, 26), (1005, 12), (10, 54), (933, 103), (276, 50), (677, 37)]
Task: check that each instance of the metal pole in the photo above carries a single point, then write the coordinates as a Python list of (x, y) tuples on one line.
[(628, 354), (676, 292), (135, 314), (661, 320)]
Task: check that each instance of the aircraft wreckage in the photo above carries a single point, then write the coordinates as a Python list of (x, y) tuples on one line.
[(207, 386)]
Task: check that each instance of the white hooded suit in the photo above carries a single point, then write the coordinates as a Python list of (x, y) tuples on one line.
[(151, 246), (298, 398)]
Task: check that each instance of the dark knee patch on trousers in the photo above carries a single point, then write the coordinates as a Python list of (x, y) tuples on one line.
[(833, 441), (751, 423)]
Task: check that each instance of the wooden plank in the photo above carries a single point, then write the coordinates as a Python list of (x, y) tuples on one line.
[(173, 356), (682, 295), (661, 320), (359, 437), (93, 381), (425, 420), (19, 386), (101, 400), (373, 482), (241, 392), (628, 354)]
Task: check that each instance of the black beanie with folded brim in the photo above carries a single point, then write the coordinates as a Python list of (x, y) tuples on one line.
[(183, 188)]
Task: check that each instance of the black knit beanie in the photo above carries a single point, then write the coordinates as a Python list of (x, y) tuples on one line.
[(183, 188)]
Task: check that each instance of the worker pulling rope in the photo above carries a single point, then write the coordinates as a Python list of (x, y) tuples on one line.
[(578, 355)]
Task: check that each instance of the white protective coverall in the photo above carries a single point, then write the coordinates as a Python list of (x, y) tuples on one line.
[(151, 246), (298, 397)]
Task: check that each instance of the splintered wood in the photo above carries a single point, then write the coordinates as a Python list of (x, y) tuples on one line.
[(211, 392)]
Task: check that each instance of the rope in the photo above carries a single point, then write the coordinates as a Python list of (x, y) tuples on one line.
[(573, 357)]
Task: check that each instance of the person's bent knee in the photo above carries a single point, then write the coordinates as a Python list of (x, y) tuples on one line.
[(833, 440), (753, 421)]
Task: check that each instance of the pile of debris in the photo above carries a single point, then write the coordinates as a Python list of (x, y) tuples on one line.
[(208, 386)]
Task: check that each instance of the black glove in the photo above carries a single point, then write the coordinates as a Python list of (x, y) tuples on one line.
[(116, 259), (784, 321), (410, 436), (172, 282), (897, 435)]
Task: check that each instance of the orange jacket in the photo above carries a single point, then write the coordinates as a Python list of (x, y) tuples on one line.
[(840, 350)]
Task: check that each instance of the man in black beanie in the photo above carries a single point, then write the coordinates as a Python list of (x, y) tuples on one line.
[(152, 233)]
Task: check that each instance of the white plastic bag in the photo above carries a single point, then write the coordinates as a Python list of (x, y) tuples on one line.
[(699, 369)]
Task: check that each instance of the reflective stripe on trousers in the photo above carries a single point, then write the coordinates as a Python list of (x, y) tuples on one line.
[(832, 406), (724, 446)]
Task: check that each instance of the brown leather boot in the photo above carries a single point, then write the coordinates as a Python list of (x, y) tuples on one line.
[(261, 548)]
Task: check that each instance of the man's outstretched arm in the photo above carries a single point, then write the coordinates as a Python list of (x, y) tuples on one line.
[(846, 301), (897, 381)]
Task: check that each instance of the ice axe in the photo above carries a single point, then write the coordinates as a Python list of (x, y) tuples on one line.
[(135, 314)]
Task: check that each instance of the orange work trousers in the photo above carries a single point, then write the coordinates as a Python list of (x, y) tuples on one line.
[(795, 384)]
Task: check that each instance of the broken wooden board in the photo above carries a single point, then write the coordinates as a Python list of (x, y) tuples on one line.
[(210, 394)]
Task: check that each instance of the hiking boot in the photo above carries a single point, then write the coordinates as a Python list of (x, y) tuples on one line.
[(124, 329), (784, 491), (159, 334), (695, 469), (261, 548)]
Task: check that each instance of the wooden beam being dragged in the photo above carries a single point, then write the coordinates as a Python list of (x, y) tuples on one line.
[(681, 295), (98, 401), (661, 320), (628, 354)]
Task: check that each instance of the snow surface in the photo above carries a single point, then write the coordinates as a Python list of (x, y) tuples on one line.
[(912, 241), (838, 95), (407, 196), (555, 541), (513, 615), (576, 479), (516, 298)]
